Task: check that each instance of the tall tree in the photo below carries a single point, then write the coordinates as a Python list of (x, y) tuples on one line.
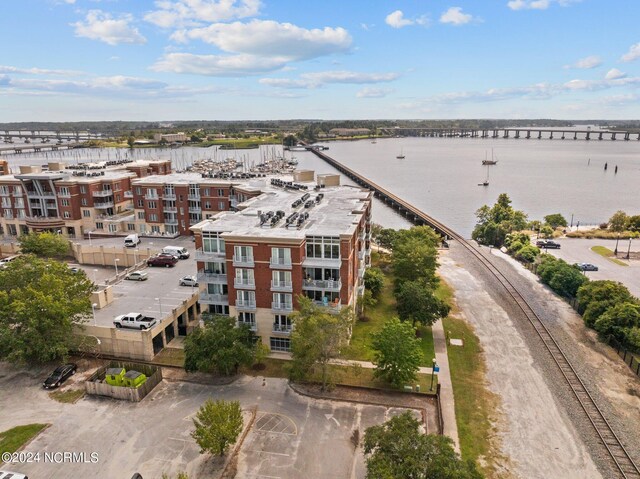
[(219, 346), (46, 245), (618, 222), (41, 302), (374, 281), (416, 302), (555, 220), (494, 223), (318, 336), (218, 425), (397, 352), (397, 449), (415, 255)]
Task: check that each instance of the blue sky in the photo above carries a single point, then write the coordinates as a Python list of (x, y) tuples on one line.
[(72, 60)]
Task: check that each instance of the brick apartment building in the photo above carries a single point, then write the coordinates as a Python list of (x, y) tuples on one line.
[(252, 264)]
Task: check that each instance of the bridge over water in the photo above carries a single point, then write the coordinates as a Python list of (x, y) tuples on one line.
[(514, 133), (40, 147)]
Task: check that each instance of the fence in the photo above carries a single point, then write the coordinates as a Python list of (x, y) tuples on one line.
[(630, 358), (95, 385)]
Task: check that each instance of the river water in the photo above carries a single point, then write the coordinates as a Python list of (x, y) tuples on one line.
[(441, 175)]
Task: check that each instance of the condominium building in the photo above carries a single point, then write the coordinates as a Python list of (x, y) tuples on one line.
[(285, 242), (170, 137)]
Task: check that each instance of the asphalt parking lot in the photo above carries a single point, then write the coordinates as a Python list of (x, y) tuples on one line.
[(293, 436), (577, 250)]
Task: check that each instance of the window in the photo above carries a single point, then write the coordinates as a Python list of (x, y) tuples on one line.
[(83, 201), (83, 189), (281, 256), (169, 190), (153, 217), (245, 277), (323, 247), (211, 242), (8, 214), (20, 214), (243, 253), (116, 187), (194, 190), (140, 204), (64, 191), (152, 205), (66, 214), (99, 226), (282, 301), (138, 190), (219, 309), (221, 206), (280, 344), (281, 279), (152, 193), (113, 228), (207, 205), (131, 227), (117, 198), (247, 318), (220, 192), (140, 215), (246, 298), (143, 228), (282, 323), (64, 202), (86, 213), (216, 267), (206, 192), (155, 229)]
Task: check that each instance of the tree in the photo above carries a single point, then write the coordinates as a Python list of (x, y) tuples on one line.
[(218, 425), (496, 222), (546, 231), (397, 352), (415, 256), (260, 353), (618, 222), (46, 245), (555, 220), (290, 140), (131, 141), (318, 336), (617, 320), (634, 223), (527, 253), (385, 238), (397, 449), (416, 302), (219, 346), (596, 297), (562, 277), (374, 281), (41, 303)]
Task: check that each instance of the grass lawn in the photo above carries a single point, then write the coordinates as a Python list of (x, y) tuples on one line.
[(273, 368), (170, 357), (474, 402), (15, 438), (71, 396), (607, 253)]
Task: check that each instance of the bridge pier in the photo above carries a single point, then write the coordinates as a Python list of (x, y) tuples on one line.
[(506, 134), (613, 136), (575, 135), (495, 134), (626, 136), (517, 134), (539, 134), (588, 135), (528, 134), (563, 135), (600, 136), (551, 136)]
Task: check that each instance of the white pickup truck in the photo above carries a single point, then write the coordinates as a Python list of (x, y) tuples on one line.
[(135, 321)]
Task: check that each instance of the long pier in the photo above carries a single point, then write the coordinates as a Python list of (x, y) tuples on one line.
[(514, 133), (620, 459)]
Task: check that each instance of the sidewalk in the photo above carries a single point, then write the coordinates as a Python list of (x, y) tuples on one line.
[(446, 387), (348, 362)]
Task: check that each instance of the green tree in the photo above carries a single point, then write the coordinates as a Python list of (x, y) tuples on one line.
[(397, 352), (290, 140), (555, 220), (218, 425), (260, 353), (374, 281), (318, 337), (46, 245), (397, 449), (41, 303), (618, 222), (386, 237), (562, 277), (130, 141), (219, 346), (416, 302), (596, 297), (527, 253), (634, 223), (616, 320), (546, 231), (415, 256), (496, 222)]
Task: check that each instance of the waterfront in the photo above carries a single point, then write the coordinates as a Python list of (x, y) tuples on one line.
[(441, 175)]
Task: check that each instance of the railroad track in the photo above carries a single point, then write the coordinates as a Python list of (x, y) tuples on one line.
[(610, 440)]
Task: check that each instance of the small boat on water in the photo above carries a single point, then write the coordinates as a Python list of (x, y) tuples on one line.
[(401, 155), (486, 161), (486, 181)]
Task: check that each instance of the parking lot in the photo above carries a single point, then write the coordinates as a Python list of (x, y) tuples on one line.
[(291, 433), (577, 250)]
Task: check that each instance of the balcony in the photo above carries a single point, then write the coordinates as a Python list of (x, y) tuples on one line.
[(281, 285), (319, 284), (368, 236), (201, 255), (151, 197), (128, 194), (282, 328), (252, 325), (170, 209), (361, 271), (208, 298), (169, 196), (367, 252), (243, 261), (101, 193), (193, 197), (6, 204), (211, 277), (5, 192), (246, 304), (17, 193), (278, 306), (193, 209), (361, 254), (35, 194), (106, 204), (244, 283), (362, 235), (280, 263), (333, 263), (170, 221), (330, 305)]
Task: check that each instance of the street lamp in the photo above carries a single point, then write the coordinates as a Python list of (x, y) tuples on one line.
[(95, 276), (160, 305), (615, 252), (89, 233), (571, 226), (629, 249), (433, 371), (93, 310), (116, 263), (135, 256)]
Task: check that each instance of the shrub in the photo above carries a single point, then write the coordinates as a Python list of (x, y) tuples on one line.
[(595, 297), (527, 253), (617, 320)]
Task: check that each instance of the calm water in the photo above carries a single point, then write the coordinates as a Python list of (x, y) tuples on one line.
[(441, 175)]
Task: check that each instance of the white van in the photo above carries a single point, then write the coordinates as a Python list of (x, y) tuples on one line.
[(132, 241), (177, 251), (7, 260)]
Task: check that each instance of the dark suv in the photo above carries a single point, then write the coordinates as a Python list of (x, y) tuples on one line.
[(58, 376), (162, 260), (549, 244)]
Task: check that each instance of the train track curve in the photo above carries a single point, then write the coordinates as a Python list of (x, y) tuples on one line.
[(619, 455)]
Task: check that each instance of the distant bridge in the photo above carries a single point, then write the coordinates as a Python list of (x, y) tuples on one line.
[(40, 147), (45, 136), (515, 133)]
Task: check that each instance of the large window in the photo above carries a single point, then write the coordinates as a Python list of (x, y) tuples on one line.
[(243, 253), (211, 242), (281, 256), (246, 298), (213, 288), (216, 267), (245, 277), (282, 323), (282, 301), (280, 344), (281, 279), (247, 318), (323, 247)]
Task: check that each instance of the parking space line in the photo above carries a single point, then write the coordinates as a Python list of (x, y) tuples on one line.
[(269, 452)]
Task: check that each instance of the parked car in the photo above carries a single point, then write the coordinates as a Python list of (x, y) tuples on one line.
[(549, 244), (586, 267), (162, 260), (176, 250), (135, 321), (12, 475), (188, 281), (57, 377), (132, 241), (137, 276)]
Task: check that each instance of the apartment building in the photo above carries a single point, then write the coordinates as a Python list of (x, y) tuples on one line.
[(74, 200), (170, 137), (284, 242)]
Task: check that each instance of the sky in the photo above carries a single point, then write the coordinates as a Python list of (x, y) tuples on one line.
[(162, 60)]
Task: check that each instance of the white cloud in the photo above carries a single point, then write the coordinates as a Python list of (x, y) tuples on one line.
[(318, 79), (183, 13), (218, 65), (36, 71), (537, 4), (632, 54), (369, 92), (614, 74), (586, 63), (99, 25), (455, 16), (397, 20)]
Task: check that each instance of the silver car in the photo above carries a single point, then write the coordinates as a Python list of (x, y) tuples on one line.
[(188, 281)]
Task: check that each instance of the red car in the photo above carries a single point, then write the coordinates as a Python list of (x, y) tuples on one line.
[(162, 260)]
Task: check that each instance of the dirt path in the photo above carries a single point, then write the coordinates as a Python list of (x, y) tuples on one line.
[(534, 431)]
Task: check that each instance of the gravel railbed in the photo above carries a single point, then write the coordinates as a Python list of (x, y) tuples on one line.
[(546, 307)]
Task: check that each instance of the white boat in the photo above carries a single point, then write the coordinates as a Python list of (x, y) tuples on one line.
[(486, 181), (401, 155)]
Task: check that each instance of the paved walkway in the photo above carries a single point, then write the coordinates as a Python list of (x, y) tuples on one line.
[(446, 387), (348, 362)]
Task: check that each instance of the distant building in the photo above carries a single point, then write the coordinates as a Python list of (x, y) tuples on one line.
[(170, 137), (349, 131)]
